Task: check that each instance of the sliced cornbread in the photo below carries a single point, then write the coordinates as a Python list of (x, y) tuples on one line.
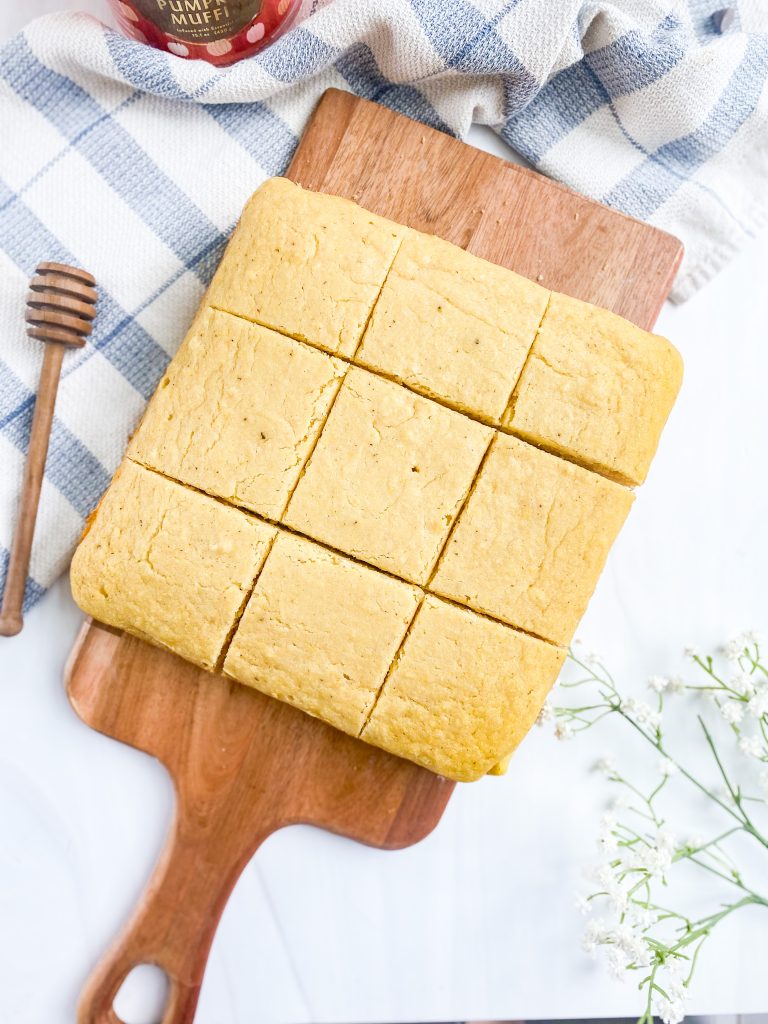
[(379, 481), (532, 540), (453, 326), (596, 389), (463, 691), (307, 265), (238, 412), (388, 476), (168, 564), (320, 631)]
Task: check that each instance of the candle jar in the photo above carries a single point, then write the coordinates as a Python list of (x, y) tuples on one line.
[(219, 31)]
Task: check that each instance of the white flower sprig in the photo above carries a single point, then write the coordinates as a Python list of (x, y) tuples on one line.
[(641, 931)]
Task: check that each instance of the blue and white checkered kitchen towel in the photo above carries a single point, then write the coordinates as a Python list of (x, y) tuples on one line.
[(134, 164)]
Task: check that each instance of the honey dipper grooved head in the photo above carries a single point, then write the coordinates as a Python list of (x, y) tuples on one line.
[(61, 304)]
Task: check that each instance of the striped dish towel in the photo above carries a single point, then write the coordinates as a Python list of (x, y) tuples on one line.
[(134, 164)]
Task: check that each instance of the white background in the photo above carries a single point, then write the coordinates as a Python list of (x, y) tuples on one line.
[(478, 920)]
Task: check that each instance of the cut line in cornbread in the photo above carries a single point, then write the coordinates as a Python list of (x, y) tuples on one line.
[(596, 389), (453, 326), (388, 476), (237, 412), (308, 265), (168, 564), (532, 539), (463, 691), (320, 631)]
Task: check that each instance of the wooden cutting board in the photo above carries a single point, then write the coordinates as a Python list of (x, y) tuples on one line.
[(244, 765)]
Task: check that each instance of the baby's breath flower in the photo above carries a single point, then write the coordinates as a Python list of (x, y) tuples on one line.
[(639, 933), (546, 714), (691, 652), (605, 765), (620, 803), (641, 918), (563, 730), (594, 934), (676, 989), (630, 942), (758, 705), (676, 684), (600, 874), (606, 839), (753, 637), (751, 746), (732, 711), (642, 713), (692, 842), (671, 1011), (618, 899), (734, 648), (608, 843), (583, 905), (743, 683), (655, 860), (618, 962), (665, 841)]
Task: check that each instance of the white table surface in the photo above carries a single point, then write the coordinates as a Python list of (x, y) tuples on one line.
[(478, 920)]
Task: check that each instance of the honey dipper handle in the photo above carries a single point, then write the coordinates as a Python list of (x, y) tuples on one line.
[(174, 924), (18, 567)]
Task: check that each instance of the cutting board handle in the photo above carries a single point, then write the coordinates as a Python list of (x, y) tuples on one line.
[(175, 921)]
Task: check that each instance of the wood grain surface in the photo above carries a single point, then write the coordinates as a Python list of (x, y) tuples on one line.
[(244, 765)]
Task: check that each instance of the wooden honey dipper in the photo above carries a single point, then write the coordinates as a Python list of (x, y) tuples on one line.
[(61, 306)]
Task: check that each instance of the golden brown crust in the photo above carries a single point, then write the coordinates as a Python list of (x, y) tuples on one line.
[(168, 564), (320, 631), (463, 691), (532, 540), (238, 412), (306, 264), (453, 326), (596, 389)]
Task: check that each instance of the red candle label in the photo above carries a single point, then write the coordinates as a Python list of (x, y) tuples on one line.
[(200, 21)]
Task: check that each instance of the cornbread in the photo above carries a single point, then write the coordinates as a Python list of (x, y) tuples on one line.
[(460, 675), (379, 481), (596, 389), (307, 265), (470, 325), (168, 564), (532, 540), (238, 412), (320, 631), (388, 476)]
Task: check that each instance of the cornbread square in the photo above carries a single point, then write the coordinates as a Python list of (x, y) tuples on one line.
[(168, 564), (463, 691), (237, 412), (596, 389), (306, 264), (388, 476), (532, 540), (453, 326), (320, 632)]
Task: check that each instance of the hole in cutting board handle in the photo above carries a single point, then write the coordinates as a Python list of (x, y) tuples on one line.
[(143, 996)]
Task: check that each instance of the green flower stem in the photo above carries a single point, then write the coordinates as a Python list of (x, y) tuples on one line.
[(748, 824)]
